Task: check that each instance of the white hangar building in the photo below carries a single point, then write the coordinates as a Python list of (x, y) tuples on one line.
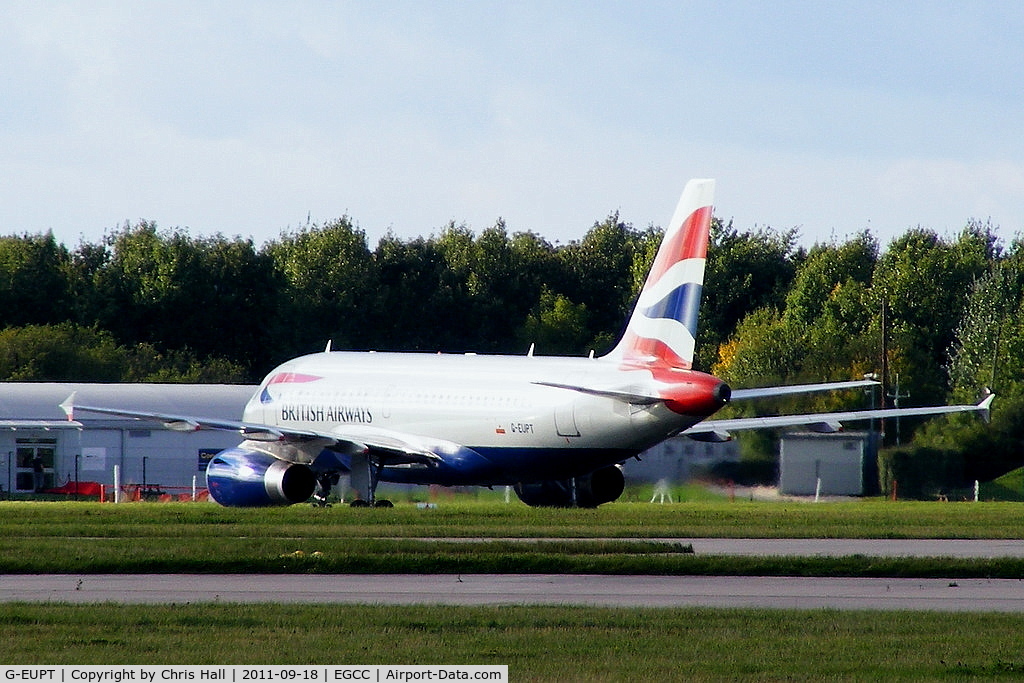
[(32, 424)]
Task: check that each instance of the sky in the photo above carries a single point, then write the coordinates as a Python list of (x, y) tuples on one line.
[(256, 118)]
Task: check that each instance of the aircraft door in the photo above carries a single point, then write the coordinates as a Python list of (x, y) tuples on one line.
[(565, 419), (565, 414)]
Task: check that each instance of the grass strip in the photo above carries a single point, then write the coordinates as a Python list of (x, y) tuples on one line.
[(740, 519), (538, 643), (197, 538), (402, 556)]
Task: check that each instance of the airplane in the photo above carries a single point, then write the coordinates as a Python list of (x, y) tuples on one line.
[(556, 429)]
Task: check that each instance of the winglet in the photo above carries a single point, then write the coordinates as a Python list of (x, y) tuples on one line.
[(68, 406), (985, 406)]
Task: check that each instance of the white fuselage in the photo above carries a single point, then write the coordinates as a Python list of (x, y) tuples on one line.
[(491, 404)]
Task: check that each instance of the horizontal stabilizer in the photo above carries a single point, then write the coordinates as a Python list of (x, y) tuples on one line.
[(829, 421), (771, 392), (624, 396), (710, 437)]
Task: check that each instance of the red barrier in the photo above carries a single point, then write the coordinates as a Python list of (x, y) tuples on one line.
[(131, 492), (153, 493), (79, 488)]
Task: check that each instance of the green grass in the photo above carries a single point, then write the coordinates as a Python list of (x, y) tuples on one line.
[(185, 537), (537, 643), (469, 519), (740, 519), (382, 556), (1008, 487)]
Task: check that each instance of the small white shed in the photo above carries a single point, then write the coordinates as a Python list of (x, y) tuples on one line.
[(845, 463)]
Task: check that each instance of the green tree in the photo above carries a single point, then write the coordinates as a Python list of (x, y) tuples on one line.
[(599, 275), (67, 352), (93, 302), (472, 292), (328, 287), (145, 363), (970, 450), (825, 268), (408, 313), (988, 349), (209, 295), (494, 290), (745, 271), (557, 326), (62, 352), (829, 304), (762, 351), (925, 281), (34, 286)]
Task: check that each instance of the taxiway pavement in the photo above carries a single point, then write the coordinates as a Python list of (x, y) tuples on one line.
[(1003, 595), (963, 595)]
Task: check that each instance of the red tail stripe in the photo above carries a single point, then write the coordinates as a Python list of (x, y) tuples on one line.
[(687, 242), (642, 349)]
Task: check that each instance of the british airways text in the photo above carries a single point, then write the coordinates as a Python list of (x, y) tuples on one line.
[(331, 413)]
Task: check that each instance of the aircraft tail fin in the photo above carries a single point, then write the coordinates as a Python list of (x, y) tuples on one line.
[(663, 326)]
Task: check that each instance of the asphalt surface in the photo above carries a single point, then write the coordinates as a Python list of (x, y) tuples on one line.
[(974, 595), (1003, 595), (867, 547)]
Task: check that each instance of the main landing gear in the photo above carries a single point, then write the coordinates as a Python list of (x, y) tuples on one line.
[(364, 480), (324, 483)]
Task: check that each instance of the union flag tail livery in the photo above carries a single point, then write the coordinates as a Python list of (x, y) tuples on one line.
[(663, 327), (556, 429)]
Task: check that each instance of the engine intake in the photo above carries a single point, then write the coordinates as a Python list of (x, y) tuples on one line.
[(242, 478)]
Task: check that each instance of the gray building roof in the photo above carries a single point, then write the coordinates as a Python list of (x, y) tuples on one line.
[(24, 402)]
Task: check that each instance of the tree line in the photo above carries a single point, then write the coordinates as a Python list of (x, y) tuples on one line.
[(941, 316), (147, 303)]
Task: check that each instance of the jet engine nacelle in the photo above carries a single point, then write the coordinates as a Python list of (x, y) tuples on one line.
[(242, 478), (588, 491)]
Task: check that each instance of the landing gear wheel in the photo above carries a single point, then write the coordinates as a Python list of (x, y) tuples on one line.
[(383, 503), (324, 483), (359, 503)]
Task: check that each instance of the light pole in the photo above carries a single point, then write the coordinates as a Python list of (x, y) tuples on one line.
[(896, 396), (872, 438)]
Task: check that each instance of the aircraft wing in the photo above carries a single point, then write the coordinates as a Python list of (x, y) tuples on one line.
[(770, 392), (189, 423), (385, 446), (718, 430)]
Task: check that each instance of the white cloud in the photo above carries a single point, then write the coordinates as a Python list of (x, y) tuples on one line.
[(984, 189)]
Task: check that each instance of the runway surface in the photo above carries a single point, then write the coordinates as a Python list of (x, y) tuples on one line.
[(1003, 595), (974, 595), (868, 547)]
